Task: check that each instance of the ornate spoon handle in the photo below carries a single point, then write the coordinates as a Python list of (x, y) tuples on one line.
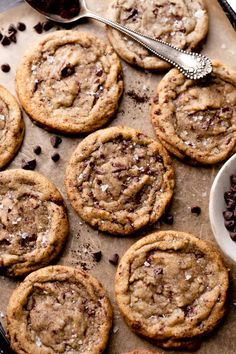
[(193, 65)]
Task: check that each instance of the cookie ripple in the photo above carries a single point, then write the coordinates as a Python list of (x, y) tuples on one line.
[(70, 82), (171, 287), (119, 180), (33, 222), (59, 309)]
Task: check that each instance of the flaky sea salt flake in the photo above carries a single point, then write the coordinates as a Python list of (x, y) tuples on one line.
[(38, 342), (104, 187), (199, 13), (115, 329)]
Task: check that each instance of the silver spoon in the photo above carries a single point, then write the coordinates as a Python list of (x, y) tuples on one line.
[(192, 65)]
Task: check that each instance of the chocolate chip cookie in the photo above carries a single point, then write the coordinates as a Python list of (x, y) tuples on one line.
[(59, 309), (196, 120), (70, 82), (119, 180), (171, 288), (33, 222), (182, 23), (11, 127)]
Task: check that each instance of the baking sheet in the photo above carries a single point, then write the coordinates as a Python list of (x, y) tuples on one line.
[(193, 184)]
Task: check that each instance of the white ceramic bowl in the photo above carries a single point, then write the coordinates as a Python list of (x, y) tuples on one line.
[(217, 205)]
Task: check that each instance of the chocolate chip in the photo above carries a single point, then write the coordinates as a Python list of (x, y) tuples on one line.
[(196, 210), (228, 196), (233, 235), (1, 36), (67, 71), (29, 165), (168, 219), (97, 256), (12, 37), (233, 188), (136, 325), (230, 204), (99, 73), (158, 271), (12, 29), (134, 13), (188, 311), (136, 97), (233, 179), (199, 255), (91, 312), (5, 68), (38, 28), (159, 158), (21, 26), (229, 224), (48, 25), (5, 41), (55, 141), (37, 150), (114, 259), (55, 157), (228, 215)]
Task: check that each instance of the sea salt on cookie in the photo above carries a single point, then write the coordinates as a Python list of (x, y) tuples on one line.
[(119, 180), (182, 23), (70, 82), (59, 309), (196, 120), (11, 127), (171, 287), (33, 222)]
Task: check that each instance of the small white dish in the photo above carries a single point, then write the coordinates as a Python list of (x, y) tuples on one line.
[(217, 205)]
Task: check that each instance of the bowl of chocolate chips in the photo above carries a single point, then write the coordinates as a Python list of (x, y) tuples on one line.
[(222, 208)]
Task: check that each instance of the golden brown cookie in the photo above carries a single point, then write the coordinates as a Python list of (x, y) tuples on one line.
[(196, 120), (33, 222), (57, 310), (11, 127), (182, 23), (171, 287), (70, 82), (119, 180)]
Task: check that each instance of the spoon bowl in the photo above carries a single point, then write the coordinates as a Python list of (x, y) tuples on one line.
[(193, 65)]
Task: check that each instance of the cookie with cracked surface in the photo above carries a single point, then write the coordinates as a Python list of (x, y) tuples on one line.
[(33, 222), (70, 82), (59, 309), (181, 23), (11, 127), (171, 288), (196, 120), (119, 180)]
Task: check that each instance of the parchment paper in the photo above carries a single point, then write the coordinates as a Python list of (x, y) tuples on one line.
[(193, 184)]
